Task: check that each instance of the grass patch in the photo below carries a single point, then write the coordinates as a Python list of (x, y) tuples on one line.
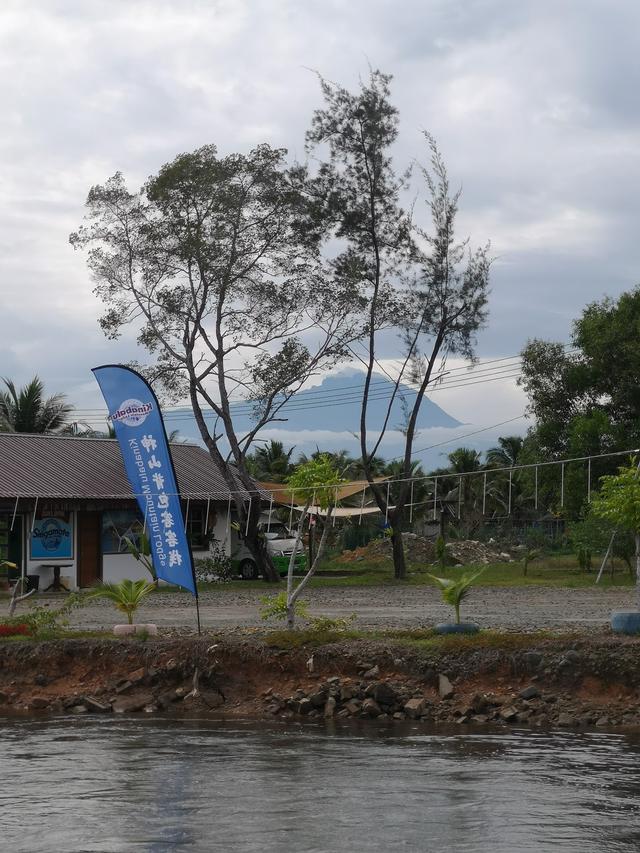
[(282, 639), (50, 636), (427, 639), (559, 571), (417, 639)]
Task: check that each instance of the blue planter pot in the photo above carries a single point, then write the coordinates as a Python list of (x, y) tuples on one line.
[(453, 628), (625, 622)]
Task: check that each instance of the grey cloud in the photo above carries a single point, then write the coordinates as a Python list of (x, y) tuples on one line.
[(533, 104)]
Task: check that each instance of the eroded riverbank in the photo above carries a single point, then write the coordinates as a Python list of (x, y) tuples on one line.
[(541, 681)]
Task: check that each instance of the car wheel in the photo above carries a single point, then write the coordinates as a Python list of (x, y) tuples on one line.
[(248, 570)]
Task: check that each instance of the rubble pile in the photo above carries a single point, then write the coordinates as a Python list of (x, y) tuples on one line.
[(419, 549), (468, 551)]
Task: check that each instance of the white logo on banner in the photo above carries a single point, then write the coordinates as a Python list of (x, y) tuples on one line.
[(132, 412)]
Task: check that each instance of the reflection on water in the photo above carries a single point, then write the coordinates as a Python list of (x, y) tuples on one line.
[(104, 784)]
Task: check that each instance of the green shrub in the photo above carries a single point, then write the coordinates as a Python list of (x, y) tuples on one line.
[(441, 552), (275, 606), (326, 624), (217, 568)]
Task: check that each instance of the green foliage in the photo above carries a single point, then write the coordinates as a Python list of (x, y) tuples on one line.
[(271, 462), (506, 454), (585, 399), (618, 501), (588, 536), (529, 556), (441, 552), (316, 480), (127, 595), (455, 591), (47, 622), (143, 553), (275, 606), (216, 568), (325, 624)]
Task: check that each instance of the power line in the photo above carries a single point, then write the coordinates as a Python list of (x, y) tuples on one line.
[(465, 435), (328, 400), (474, 370), (348, 391)]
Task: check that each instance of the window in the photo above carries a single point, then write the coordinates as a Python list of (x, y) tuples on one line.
[(196, 533), (118, 525)]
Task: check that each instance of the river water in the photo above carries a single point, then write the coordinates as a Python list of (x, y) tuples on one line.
[(130, 784)]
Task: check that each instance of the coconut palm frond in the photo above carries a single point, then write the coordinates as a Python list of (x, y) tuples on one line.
[(27, 410), (125, 595), (455, 591)]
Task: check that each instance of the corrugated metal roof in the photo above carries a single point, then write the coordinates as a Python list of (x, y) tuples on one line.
[(51, 466)]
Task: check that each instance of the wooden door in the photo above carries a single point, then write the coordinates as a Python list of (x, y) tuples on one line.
[(89, 550)]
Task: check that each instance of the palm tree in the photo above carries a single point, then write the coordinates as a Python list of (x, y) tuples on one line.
[(341, 460), (27, 410), (422, 488), (465, 460), (506, 455), (506, 494), (271, 462), (126, 595)]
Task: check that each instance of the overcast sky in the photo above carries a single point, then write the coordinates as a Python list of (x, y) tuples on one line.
[(533, 103)]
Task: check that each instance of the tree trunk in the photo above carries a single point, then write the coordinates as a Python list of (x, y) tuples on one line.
[(294, 594), (638, 569), (257, 544), (397, 550)]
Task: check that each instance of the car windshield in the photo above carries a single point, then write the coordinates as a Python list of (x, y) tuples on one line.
[(276, 531)]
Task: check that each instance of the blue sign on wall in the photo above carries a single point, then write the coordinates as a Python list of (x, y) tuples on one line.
[(137, 421), (52, 538)]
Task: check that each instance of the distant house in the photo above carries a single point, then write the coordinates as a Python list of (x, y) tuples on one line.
[(66, 502)]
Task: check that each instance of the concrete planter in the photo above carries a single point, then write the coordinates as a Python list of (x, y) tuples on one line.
[(128, 630), (625, 622), (454, 628)]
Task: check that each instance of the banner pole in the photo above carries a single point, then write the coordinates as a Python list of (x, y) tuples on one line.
[(198, 611)]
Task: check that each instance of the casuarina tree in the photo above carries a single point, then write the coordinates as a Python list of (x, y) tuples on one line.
[(425, 284), (211, 262)]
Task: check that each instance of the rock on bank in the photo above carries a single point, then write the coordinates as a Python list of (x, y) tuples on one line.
[(522, 679)]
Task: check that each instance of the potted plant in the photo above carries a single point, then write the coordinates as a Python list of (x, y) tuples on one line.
[(127, 596), (453, 592)]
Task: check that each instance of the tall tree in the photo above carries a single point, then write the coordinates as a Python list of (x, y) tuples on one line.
[(585, 397), (425, 284), (28, 410), (213, 264)]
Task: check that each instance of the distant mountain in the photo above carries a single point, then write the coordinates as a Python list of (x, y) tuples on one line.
[(333, 406)]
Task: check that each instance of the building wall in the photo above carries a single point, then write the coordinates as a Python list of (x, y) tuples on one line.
[(118, 567), (115, 567)]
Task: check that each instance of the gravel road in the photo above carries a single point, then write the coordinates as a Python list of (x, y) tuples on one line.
[(523, 608)]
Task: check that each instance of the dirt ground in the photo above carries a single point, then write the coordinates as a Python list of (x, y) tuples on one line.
[(522, 608)]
